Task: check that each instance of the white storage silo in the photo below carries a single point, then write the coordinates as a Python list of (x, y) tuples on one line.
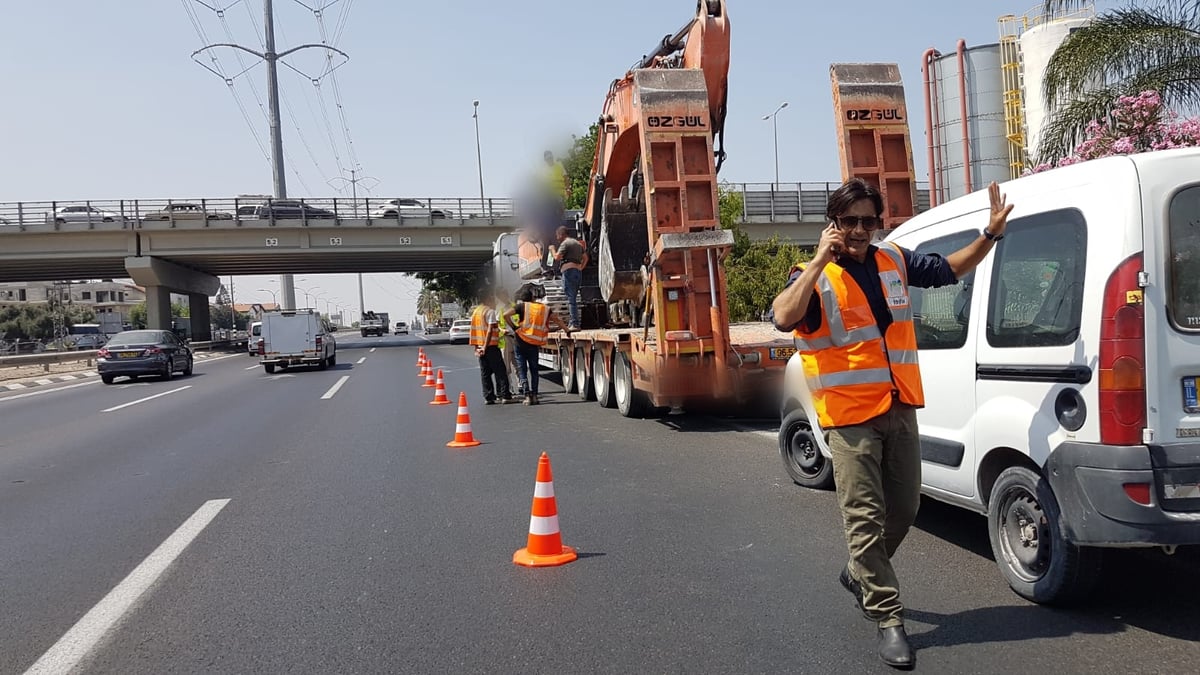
[(1038, 43), (983, 134)]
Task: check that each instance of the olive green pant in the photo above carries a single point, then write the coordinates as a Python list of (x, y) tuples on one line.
[(877, 469)]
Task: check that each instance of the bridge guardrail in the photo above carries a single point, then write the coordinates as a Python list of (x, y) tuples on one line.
[(790, 202), (137, 213)]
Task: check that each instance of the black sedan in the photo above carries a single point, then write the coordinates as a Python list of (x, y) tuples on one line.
[(144, 352)]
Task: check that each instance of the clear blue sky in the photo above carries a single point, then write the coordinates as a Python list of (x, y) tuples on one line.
[(100, 100)]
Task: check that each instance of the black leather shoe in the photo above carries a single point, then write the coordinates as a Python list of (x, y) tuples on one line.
[(850, 584), (894, 648)]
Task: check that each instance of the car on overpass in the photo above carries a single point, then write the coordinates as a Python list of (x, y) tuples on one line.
[(282, 209), (84, 214), (186, 211), (410, 208), (144, 352)]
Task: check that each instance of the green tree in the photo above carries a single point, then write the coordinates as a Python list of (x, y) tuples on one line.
[(137, 315), (429, 305), (578, 164), (453, 286), (755, 271), (1121, 53)]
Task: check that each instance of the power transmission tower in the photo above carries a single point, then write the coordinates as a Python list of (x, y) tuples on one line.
[(271, 57)]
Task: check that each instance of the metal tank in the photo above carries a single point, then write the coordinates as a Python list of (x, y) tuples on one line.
[(966, 111), (1038, 44)]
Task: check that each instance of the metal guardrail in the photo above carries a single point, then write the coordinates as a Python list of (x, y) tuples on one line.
[(791, 202), (134, 213), (47, 359)]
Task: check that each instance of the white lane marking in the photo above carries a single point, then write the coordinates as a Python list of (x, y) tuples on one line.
[(334, 389), (40, 392), (217, 358), (43, 382), (148, 398), (373, 350), (254, 367), (77, 643), (362, 359), (67, 378), (14, 386)]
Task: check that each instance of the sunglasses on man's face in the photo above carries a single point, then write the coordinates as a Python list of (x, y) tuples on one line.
[(868, 223)]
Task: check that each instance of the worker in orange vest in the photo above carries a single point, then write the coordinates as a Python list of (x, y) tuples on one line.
[(533, 331), (852, 318), (485, 338)]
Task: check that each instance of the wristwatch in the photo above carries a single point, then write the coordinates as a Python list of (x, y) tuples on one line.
[(991, 237)]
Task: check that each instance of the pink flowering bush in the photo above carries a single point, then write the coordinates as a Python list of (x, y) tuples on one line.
[(1137, 124)]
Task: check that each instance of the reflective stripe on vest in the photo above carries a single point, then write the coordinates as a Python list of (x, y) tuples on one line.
[(535, 326), (852, 371), (479, 328)]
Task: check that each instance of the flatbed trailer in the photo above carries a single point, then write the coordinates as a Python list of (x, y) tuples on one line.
[(624, 368)]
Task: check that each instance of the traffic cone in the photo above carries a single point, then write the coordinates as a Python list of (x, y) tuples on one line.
[(463, 438), (439, 395), (429, 381), (420, 356), (545, 547), (424, 367)]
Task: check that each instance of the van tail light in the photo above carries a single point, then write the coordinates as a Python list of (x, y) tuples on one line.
[(261, 347), (318, 342), (1123, 357)]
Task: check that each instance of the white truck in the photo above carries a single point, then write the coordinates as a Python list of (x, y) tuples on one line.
[(374, 323), (297, 338)]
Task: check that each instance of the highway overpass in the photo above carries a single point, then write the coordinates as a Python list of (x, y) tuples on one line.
[(182, 245)]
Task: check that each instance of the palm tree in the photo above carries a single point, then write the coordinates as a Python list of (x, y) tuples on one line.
[(1121, 52), (429, 305)]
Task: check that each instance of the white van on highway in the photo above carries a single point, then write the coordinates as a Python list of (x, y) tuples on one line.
[(1061, 375), (297, 337)]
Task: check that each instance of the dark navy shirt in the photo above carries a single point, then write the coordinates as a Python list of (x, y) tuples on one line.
[(924, 271)]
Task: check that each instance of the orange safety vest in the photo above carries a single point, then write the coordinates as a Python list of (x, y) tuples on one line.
[(852, 371), (535, 325), (479, 328)]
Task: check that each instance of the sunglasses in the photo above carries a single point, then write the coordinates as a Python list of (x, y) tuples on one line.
[(868, 223)]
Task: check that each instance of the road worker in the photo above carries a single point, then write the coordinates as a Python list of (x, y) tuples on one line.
[(485, 338), (851, 315), (533, 320)]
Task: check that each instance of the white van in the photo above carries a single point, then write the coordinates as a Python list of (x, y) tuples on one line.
[(1061, 375), (254, 341)]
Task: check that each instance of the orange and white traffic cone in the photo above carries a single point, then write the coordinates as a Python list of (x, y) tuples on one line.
[(545, 547), (439, 395), (463, 438), (420, 357), (429, 381)]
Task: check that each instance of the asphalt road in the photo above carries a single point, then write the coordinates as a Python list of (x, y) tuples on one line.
[(354, 540)]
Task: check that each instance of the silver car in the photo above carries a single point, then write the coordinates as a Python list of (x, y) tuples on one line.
[(84, 214), (410, 208)]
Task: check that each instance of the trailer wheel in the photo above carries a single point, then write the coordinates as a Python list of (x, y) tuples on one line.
[(269, 367), (582, 384), (601, 380), (565, 369), (801, 455), (1035, 558), (630, 401)]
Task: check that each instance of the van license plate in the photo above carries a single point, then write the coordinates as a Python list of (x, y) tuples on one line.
[(1190, 402), (782, 353)]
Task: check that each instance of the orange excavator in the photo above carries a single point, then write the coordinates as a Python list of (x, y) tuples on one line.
[(662, 337)]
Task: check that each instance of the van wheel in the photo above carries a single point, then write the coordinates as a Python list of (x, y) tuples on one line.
[(269, 367), (1027, 541), (333, 360), (801, 455), (322, 364), (601, 380)]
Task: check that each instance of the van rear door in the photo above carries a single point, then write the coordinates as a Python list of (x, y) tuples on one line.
[(1171, 217)]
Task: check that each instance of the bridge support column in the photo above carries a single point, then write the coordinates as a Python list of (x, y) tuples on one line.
[(158, 307), (160, 278), (201, 321)]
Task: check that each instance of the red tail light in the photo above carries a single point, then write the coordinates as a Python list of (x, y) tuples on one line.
[(104, 353), (261, 347), (1123, 357), (1138, 492), (318, 342), (151, 350)]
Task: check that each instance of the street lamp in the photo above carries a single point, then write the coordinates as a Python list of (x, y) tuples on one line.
[(478, 151), (775, 123), (274, 300), (309, 294)]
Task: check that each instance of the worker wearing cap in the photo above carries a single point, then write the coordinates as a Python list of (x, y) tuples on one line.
[(485, 338), (852, 318)]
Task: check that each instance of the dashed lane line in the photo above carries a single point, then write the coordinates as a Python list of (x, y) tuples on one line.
[(81, 640), (40, 392), (373, 350), (334, 389), (361, 360), (148, 398)]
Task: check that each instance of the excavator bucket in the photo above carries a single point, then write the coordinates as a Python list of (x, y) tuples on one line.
[(873, 140)]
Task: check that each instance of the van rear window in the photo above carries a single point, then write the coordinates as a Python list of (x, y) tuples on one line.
[(1184, 263)]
